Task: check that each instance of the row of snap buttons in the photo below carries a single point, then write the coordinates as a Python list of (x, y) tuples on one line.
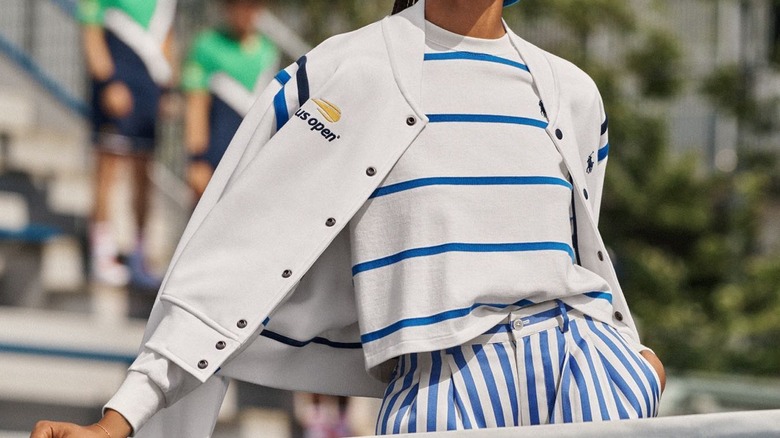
[(287, 273)]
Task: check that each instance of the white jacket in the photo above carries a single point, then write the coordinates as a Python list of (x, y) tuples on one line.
[(268, 238)]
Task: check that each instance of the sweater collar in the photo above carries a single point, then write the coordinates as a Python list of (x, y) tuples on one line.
[(404, 35)]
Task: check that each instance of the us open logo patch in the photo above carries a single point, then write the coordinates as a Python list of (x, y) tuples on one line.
[(330, 114)]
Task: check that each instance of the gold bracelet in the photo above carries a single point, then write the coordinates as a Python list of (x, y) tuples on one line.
[(104, 429)]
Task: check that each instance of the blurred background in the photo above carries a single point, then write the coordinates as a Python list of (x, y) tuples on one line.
[(691, 209)]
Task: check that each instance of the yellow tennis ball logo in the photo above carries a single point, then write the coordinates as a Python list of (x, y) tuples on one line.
[(331, 112)]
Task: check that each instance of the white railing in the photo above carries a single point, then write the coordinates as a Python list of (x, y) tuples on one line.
[(734, 424)]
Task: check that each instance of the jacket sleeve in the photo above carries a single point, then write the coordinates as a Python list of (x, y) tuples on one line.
[(153, 382)]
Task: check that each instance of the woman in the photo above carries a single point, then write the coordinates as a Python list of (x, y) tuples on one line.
[(128, 49), (387, 222)]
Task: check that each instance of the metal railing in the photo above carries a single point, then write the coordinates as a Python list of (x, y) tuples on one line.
[(40, 37)]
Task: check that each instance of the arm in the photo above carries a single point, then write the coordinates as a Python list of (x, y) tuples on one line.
[(171, 54), (196, 122), (100, 66)]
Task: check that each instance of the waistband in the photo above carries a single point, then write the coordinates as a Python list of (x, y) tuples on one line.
[(529, 320)]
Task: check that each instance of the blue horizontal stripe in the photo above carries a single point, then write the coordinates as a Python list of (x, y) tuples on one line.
[(472, 56), (485, 118), (470, 181), (95, 356), (604, 152), (283, 77), (434, 319), (600, 295), (462, 247), (605, 126), (316, 340), (31, 233)]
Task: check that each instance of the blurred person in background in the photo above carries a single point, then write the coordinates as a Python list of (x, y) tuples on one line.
[(128, 46), (226, 69), (409, 212)]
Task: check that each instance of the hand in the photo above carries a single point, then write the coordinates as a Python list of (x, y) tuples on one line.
[(114, 425), (117, 100), (657, 365), (51, 429)]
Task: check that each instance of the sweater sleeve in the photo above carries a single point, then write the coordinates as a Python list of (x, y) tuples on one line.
[(153, 381)]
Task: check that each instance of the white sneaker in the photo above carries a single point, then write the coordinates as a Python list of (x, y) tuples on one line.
[(104, 267)]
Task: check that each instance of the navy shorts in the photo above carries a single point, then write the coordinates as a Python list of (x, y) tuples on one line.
[(223, 124), (134, 133)]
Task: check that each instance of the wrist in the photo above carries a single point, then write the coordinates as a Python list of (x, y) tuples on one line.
[(115, 425)]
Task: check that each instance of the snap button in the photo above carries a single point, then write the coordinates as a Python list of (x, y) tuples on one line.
[(619, 316), (203, 364), (411, 121), (221, 345), (330, 222), (585, 192), (601, 255), (241, 324), (287, 273), (517, 325), (371, 171), (559, 134)]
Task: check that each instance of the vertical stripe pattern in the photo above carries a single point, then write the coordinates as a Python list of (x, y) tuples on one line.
[(560, 369)]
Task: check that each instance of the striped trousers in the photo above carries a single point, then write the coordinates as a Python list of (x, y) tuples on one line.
[(545, 364)]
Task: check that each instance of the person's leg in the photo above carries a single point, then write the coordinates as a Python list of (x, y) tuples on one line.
[(472, 386), (103, 248), (141, 171), (141, 199)]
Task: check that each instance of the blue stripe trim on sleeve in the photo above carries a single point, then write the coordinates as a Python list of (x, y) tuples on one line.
[(303, 81), (434, 319), (485, 118), (605, 126), (316, 340), (461, 247), (604, 152), (445, 56), (599, 295), (280, 109), (280, 102), (283, 77), (470, 181)]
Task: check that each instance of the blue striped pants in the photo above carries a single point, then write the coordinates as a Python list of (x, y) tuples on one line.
[(545, 364)]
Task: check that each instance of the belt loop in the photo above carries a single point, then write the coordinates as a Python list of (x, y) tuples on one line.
[(564, 316)]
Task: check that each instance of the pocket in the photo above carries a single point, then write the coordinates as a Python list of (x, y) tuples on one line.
[(629, 372)]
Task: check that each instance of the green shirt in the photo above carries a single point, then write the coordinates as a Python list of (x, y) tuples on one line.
[(92, 11), (216, 51)]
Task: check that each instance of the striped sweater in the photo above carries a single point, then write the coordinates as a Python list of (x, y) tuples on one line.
[(475, 219)]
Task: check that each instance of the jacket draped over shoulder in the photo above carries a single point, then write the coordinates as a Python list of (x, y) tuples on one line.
[(260, 286)]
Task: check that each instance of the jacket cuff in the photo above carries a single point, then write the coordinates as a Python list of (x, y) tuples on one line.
[(192, 341), (137, 400)]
